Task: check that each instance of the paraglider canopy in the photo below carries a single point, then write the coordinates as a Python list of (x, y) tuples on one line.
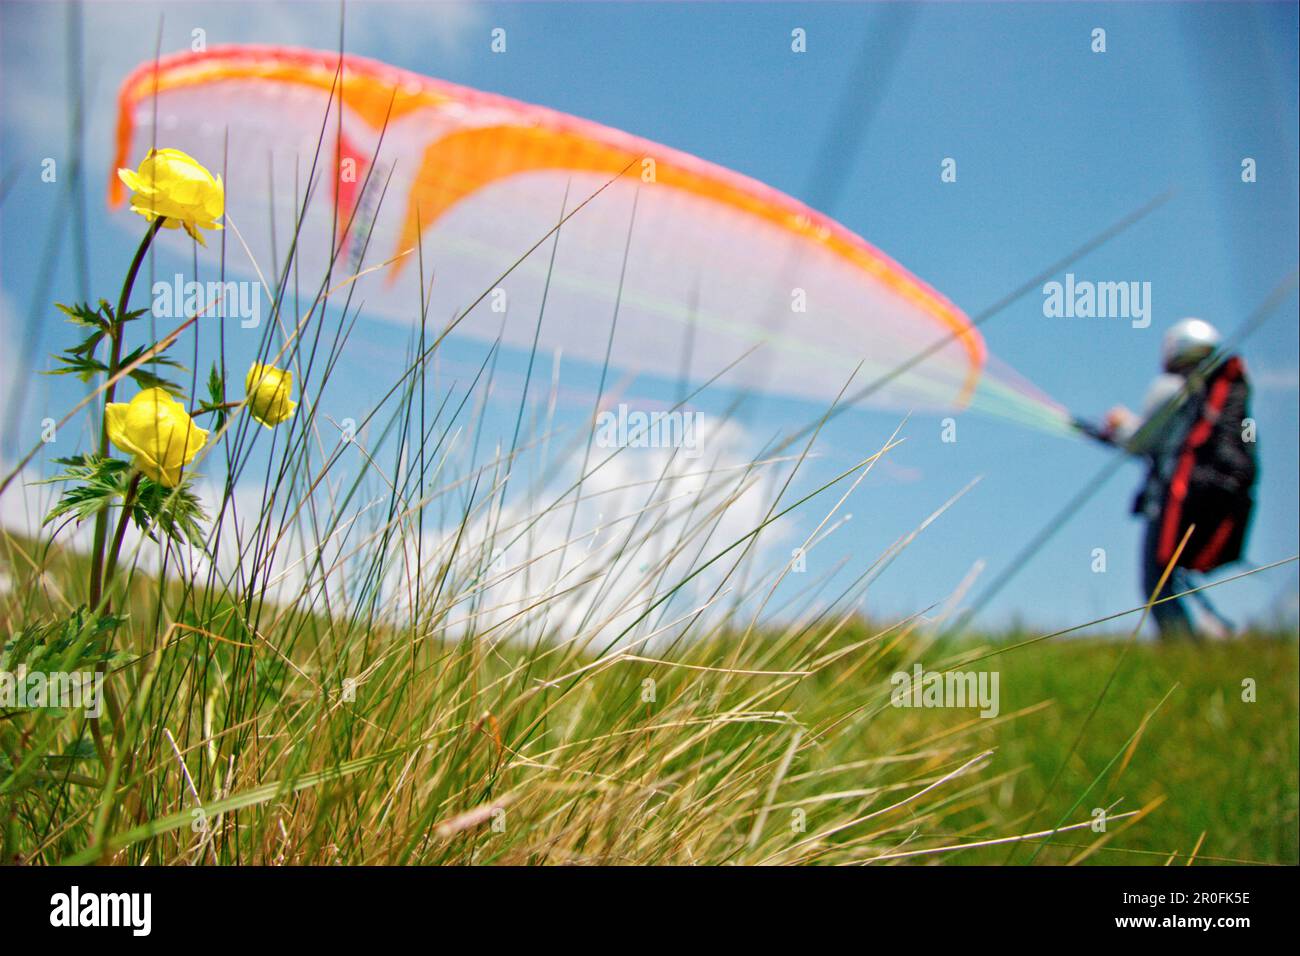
[(670, 265)]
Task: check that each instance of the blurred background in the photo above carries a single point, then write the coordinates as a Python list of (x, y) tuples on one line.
[(1053, 142)]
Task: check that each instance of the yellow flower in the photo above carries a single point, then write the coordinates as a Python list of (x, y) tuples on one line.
[(157, 430), (268, 391), (174, 184)]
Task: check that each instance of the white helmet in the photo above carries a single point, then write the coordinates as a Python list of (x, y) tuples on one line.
[(1187, 342)]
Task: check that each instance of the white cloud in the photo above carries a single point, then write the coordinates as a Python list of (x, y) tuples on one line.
[(646, 520), (629, 540)]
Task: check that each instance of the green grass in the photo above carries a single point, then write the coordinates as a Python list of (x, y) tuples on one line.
[(1225, 768), (779, 747)]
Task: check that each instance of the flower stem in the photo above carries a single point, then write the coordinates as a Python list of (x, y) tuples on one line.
[(110, 699), (224, 406), (101, 519), (127, 501)]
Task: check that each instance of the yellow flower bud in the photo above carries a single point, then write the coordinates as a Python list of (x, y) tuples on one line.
[(173, 184), (158, 432), (268, 391)]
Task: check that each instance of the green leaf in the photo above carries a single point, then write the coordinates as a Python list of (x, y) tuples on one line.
[(83, 314), (146, 379), (216, 386), (44, 646), (80, 359), (90, 468), (159, 359), (88, 345), (99, 482), (84, 368), (176, 512), (216, 398)]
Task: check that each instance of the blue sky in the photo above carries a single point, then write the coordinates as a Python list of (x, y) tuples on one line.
[(1052, 141)]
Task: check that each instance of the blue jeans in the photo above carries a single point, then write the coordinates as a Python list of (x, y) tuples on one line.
[(1171, 617)]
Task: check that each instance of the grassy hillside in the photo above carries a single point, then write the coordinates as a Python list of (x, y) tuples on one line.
[(776, 747), (1224, 770)]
